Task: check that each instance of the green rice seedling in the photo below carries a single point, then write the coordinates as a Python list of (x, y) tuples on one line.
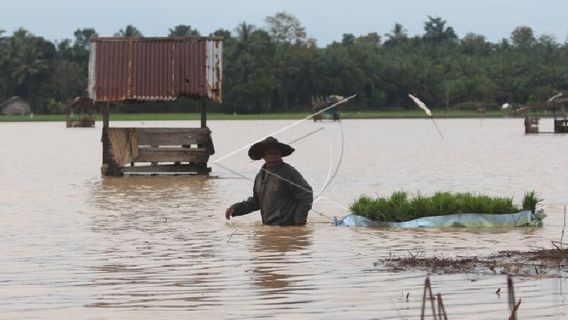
[(421, 205), (399, 206), (363, 206), (530, 200), (500, 205), (444, 203)]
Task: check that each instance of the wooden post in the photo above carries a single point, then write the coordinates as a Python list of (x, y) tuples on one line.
[(106, 115), (202, 167), (109, 167), (511, 294), (104, 138), (203, 113)]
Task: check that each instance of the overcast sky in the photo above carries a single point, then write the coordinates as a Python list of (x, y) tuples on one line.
[(325, 20)]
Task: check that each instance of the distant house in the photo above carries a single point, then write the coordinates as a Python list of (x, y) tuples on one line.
[(15, 106)]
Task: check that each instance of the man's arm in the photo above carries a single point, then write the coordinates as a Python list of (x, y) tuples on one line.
[(244, 207)]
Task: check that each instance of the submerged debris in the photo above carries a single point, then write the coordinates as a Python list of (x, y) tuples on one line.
[(544, 263)]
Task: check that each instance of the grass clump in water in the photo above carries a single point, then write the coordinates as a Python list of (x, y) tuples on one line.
[(530, 200), (399, 206)]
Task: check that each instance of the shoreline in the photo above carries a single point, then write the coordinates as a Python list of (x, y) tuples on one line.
[(272, 116)]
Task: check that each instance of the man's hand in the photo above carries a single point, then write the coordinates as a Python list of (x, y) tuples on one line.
[(230, 212), (300, 222)]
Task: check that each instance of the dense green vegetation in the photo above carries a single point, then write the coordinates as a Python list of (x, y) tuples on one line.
[(402, 207), (275, 68)]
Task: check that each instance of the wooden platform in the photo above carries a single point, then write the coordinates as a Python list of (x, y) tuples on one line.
[(156, 150)]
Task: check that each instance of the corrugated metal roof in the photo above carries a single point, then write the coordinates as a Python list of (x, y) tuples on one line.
[(155, 69)]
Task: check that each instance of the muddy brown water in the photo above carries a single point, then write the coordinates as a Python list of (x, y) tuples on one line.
[(76, 245)]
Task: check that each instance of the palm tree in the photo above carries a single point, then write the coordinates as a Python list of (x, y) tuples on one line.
[(84, 36), (183, 31), (397, 35), (244, 31), (129, 32), (25, 60)]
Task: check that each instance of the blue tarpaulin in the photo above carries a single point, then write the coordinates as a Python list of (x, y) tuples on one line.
[(466, 220)]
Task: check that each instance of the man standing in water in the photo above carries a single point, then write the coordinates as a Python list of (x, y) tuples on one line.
[(280, 192)]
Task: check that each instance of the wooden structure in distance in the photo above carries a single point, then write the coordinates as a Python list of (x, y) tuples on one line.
[(80, 113), (126, 70), (319, 103), (556, 105)]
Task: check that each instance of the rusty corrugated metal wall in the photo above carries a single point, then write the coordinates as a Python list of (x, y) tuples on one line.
[(155, 69)]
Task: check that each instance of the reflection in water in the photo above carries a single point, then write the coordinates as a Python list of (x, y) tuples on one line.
[(279, 252), (160, 240), (111, 190), (148, 203)]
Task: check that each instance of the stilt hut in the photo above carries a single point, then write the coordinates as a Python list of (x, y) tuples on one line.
[(319, 103), (560, 117), (81, 113), (554, 105), (127, 70)]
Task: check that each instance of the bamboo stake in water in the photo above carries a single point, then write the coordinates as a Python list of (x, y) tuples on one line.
[(428, 288), (563, 227), (511, 293), (441, 310)]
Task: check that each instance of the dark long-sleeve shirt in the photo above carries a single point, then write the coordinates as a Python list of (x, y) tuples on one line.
[(279, 201)]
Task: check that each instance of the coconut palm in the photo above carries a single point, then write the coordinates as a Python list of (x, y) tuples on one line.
[(397, 35), (183, 31), (26, 57), (244, 31), (129, 32), (84, 36), (26, 61)]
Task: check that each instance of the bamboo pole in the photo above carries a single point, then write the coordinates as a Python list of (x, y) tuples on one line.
[(428, 288), (442, 315), (511, 294)]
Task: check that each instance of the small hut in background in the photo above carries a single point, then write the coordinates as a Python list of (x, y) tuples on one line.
[(16, 106), (531, 124), (81, 113), (319, 103), (554, 105), (559, 112), (125, 70)]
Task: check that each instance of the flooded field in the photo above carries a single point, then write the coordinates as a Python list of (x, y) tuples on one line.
[(76, 245)]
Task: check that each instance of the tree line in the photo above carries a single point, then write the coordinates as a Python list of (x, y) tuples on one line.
[(277, 68)]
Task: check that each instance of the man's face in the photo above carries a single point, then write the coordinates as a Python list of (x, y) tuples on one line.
[(272, 155)]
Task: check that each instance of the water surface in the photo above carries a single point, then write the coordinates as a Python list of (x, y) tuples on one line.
[(77, 245)]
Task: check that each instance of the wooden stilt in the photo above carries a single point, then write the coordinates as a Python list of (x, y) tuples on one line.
[(109, 167), (203, 169), (203, 113)]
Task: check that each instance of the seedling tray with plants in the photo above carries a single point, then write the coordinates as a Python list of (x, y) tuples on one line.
[(443, 209)]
